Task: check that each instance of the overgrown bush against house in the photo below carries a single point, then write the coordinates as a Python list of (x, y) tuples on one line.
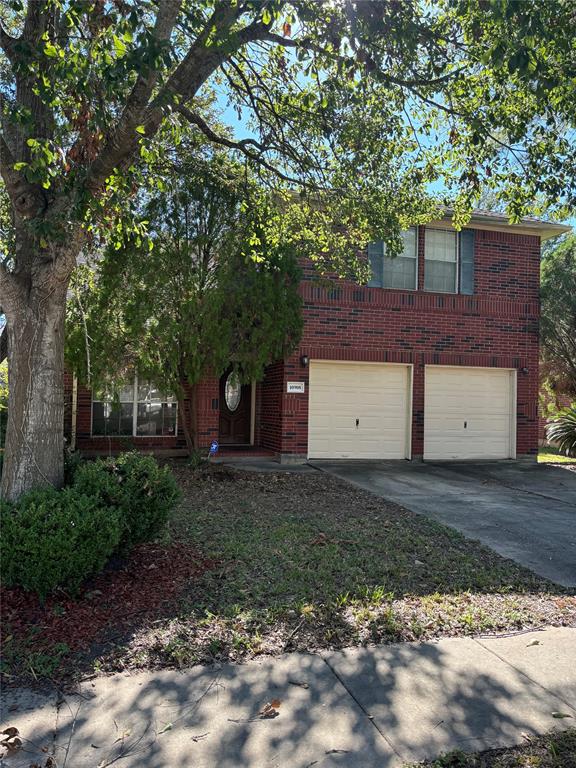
[(136, 485), (54, 538), (562, 431)]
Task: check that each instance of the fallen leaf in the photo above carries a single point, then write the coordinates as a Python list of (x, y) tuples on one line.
[(533, 642), (167, 727), (11, 731), (560, 715), (12, 743), (270, 710)]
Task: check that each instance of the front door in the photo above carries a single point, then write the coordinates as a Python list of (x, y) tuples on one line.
[(235, 411)]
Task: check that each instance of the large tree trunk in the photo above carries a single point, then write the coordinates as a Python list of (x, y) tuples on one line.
[(34, 301), (34, 449)]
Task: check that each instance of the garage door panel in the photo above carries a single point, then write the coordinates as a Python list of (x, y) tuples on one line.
[(468, 413), (374, 394)]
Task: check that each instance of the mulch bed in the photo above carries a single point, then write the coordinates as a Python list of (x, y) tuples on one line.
[(129, 590)]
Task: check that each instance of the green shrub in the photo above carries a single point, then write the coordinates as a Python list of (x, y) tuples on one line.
[(562, 431), (52, 538), (142, 491), (72, 460)]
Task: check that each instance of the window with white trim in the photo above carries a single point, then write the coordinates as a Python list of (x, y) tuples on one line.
[(441, 260), (400, 271), (136, 410)]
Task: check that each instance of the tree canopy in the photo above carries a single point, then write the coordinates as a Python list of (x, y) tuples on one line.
[(558, 320), (195, 304), (363, 107)]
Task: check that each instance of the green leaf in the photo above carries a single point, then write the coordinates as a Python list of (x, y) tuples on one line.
[(51, 51), (141, 129), (119, 47)]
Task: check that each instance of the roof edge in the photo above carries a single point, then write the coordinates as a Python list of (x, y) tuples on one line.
[(526, 225)]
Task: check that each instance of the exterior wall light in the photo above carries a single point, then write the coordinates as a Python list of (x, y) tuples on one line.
[(304, 361)]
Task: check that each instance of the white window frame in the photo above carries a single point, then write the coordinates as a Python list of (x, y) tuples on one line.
[(383, 258), (134, 434), (457, 276)]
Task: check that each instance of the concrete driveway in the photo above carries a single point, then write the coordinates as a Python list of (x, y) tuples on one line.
[(524, 512)]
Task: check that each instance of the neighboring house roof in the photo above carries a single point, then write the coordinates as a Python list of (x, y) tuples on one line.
[(483, 219)]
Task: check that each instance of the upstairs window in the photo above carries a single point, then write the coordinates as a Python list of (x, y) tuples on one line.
[(441, 261), (135, 410), (400, 272), (449, 261)]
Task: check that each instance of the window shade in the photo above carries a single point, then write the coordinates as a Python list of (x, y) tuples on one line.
[(467, 261)]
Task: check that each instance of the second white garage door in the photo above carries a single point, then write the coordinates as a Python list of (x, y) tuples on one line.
[(358, 411), (468, 413)]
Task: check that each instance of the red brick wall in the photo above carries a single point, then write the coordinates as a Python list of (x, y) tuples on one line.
[(270, 411), (497, 327)]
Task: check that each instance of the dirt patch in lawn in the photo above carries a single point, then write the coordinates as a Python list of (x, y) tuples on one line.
[(554, 750), (39, 639)]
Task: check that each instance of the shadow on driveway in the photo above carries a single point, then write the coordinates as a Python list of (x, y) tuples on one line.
[(526, 513)]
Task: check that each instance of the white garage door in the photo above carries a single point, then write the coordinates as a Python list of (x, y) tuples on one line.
[(358, 411), (468, 413)]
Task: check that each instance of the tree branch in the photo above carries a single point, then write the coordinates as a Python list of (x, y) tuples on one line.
[(12, 178), (124, 137), (8, 288), (210, 49), (8, 43), (28, 199), (243, 145), (4, 344), (309, 45)]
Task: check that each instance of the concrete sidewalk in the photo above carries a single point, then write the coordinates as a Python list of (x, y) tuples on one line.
[(377, 707)]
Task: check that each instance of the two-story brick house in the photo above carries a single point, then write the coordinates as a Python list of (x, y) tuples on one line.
[(436, 358)]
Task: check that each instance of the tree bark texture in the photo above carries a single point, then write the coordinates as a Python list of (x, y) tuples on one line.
[(34, 448)]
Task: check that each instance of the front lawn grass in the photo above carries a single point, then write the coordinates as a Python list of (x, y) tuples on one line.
[(307, 562), (550, 455), (554, 750), (281, 562)]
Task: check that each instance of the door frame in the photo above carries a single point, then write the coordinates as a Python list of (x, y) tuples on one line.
[(409, 399), (252, 438), (512, 421)]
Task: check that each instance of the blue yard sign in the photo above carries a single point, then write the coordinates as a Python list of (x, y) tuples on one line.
[(213, 448)]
